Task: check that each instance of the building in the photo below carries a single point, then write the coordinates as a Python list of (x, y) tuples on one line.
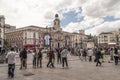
[(51, 37), (2, 31), (109, 38)]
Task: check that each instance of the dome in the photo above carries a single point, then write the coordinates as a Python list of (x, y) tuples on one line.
[(56, 15)]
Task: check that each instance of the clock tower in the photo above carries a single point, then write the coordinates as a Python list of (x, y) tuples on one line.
[(56, 22)]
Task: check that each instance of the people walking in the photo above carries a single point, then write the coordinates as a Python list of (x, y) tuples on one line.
[(102, 54), (34, 53), (23, 58), (116, 55), (39, 58), (64, 57), (90, 54), (51, 57), (11, 62), (58, 55), (85, 54), (98, 57), (80, 53)]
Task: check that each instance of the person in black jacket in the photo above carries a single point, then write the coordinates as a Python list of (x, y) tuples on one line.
[(23, 58), (39, 58), (116, 55), (58, 55), (98, 57)]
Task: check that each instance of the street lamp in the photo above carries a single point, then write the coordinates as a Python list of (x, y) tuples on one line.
[(81, 42)]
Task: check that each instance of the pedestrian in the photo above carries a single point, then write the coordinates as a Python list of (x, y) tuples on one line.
[(39, 58), (98, 57), (64, 57), (23, 58), (58, 56), (116, 55), (85, 54), (81, 54), (51, 57), (90, 54), (111, 53), (34, 53), (11, 62), (102, 54)]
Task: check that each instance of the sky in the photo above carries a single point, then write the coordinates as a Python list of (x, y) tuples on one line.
[(93, 16)]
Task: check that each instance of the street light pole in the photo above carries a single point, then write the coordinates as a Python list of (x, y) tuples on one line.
[(50, 38)]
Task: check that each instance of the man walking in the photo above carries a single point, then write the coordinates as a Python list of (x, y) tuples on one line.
[(23, 58), (116, 55), (51, 59), (11, 62), (90, 54), (98, 57), (64, 57), (58, 55)]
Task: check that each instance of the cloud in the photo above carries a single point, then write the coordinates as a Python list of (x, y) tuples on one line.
[(93, 12), (38, 12), (87, 23), (41, 13), (101, 8), (105, 27)]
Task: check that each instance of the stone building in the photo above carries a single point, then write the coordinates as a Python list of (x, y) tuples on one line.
[(51, 37)]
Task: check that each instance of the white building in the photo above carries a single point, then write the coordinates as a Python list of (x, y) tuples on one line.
[(2, 24)]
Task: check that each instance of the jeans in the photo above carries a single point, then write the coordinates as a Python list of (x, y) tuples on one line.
[(64, 60), (11, 68), (58, 59), (90, 58), (116, 60), (39, 62), (34, 62)]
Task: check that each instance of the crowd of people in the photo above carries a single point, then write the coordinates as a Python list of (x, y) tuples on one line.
[(97, 55)]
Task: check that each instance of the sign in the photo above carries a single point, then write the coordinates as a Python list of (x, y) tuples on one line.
[(67, 40), (47, 39)]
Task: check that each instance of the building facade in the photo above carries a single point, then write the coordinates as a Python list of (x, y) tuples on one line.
[(109, 38), (2, 31), (35, 36)]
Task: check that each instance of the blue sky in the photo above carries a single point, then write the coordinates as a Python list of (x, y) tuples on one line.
[(71, 17), (110, 18)]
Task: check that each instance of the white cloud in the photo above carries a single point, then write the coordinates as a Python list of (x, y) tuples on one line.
[(87, 23), (101, 8), (93, 12), (105, 27), (41, 12), (38, 12)]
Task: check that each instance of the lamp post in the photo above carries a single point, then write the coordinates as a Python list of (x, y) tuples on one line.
[(50, 38), (81, 42)]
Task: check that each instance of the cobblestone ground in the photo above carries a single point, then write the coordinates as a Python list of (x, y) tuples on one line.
[(77, 70)]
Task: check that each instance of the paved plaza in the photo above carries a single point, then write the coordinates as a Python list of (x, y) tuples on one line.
[(77, 70)]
